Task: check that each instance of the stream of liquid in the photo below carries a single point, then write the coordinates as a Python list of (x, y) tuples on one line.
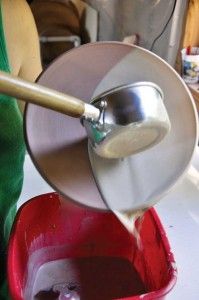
[(92, 278), (128, 220)]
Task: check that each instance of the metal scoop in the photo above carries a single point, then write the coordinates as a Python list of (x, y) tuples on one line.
[(123, 121)]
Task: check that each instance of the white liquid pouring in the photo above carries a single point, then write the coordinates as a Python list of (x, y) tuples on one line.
[(128, 220)]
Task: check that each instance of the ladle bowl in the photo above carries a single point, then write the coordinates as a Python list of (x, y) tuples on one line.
[(133, 118)]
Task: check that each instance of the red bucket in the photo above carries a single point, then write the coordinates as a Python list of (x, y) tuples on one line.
[(49, 229)]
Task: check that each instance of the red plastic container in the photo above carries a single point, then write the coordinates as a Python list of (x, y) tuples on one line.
[(49, 228)]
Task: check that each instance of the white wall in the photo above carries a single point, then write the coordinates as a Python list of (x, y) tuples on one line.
[(147, 18)]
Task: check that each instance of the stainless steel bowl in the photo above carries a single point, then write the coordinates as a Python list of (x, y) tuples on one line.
[(133, 118)]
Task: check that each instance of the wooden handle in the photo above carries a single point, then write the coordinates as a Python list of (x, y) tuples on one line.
[(37, 94)]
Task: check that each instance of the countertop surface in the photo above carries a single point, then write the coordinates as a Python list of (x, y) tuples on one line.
[(179, 214)]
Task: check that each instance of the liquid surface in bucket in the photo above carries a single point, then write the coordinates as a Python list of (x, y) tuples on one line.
[(87, 278)]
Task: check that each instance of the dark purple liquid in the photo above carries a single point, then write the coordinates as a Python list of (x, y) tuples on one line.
[(97, 278)]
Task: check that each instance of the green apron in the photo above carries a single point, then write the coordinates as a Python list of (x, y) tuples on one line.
[(12, 151)]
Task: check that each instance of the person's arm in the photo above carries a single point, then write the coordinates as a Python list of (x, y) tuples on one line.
[(22, 39)]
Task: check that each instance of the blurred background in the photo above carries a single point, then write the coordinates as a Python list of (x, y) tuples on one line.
[(156, 25)]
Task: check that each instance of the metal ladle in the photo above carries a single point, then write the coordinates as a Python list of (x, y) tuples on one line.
[(120, 122)]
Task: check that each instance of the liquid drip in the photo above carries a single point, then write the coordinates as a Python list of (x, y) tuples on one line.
[(128, 220), (88, 279)]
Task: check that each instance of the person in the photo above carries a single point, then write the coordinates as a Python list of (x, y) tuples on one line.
[(19, 55)]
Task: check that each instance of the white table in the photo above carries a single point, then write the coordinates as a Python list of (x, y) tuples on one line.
[(179, 214)]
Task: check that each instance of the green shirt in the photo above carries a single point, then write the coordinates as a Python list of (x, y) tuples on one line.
[(12, 150)]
